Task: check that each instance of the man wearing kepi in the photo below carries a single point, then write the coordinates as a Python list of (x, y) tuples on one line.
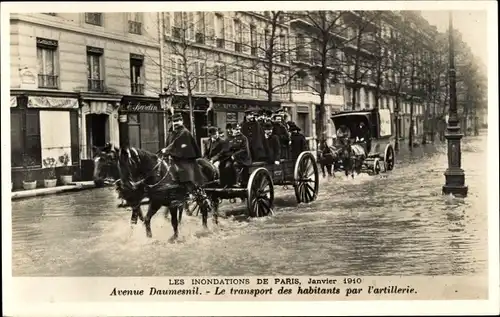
[(252, 129), (183, 151), (281, 131), (273, 144), (236, 157)]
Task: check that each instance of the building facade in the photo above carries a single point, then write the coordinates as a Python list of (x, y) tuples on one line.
[(79, 80)]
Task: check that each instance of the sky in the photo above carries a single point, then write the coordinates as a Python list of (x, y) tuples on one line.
[(472, 24)]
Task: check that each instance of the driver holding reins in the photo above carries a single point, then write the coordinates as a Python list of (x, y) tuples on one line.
[(183, 151)]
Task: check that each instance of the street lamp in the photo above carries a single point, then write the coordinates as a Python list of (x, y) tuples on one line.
[(454, 174)]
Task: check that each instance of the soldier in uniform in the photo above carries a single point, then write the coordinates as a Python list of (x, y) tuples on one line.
[(252, 129), (273, 144), (229, 131), (183, 152), (280, 129), (298, 141), (236, 155)]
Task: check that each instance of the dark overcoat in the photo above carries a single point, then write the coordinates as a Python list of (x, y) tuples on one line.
[(274, 148), (184, 150), (240, 150), (282, 132), (299, 144), (254, 132), (215, 149)]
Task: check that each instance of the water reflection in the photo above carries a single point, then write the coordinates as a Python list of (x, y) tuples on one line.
[(391, 224)]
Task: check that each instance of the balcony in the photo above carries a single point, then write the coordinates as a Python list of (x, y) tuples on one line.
[(137, 89), (238, 47), (200, 38), (220, 43), (135, 27), (48, 81), (253, 51), (96, 85)]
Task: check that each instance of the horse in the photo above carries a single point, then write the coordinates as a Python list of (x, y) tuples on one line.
[(139, 167), (106, 167), (345, 157), (326, 158)]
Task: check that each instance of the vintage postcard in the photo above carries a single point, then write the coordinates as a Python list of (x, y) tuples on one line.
[(309, 158)]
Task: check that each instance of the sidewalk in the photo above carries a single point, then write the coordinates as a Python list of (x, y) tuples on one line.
[(75, 186)]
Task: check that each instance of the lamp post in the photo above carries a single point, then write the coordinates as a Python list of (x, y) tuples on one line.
[(166, 106), (454, 174)]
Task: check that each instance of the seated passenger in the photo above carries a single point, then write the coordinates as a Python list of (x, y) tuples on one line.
[(364, 136), (215, 147), (253, 131), (298, 141), (273, 144), (343, 135), (236, 155), (281, 131)]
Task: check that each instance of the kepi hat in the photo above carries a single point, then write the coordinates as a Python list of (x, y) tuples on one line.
[(236, 126), (292, 126), (177, 117), (267, 126), (212, 130), (229, 126), (252, 110)]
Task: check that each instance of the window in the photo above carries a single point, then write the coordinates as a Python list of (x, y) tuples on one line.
[(219, 30), (134, 133), (46, 51), (201, 77), (253, 84), (25, 137), (239, 81), (200, 28), (149, 131), (136, 70), (220, 71), (301, 47), (134, 23), (178, 73), (299, 84), (238, 32), (283, 86), (93, 18), (253, 40), (282, 48), (94, 68), (177, 32)]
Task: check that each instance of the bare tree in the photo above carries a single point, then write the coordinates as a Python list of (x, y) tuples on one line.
[(263, 62)]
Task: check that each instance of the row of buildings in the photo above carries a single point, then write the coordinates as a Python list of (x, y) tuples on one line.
[(79, 80)]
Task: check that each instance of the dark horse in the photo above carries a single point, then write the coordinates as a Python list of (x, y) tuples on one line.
[(106, 170), (144, 174), (326, 158)]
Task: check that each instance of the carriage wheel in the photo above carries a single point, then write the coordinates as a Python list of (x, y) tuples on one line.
[(260, 193), (376, 166), (389, 159), (306, 177)]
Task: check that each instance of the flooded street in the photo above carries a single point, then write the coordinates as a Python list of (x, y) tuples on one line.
[(391, 224)]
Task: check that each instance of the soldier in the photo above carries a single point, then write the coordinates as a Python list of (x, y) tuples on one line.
[(229, 131), (298, 141), (267, 115), (237, 155), (183, 152), (252, 129), (281, 131), (273, 144)]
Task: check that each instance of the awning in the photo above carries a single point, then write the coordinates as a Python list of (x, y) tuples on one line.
[(13, 101), (52, 102)]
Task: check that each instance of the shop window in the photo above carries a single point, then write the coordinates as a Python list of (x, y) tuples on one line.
[(25, 137), (144, 131), (46, 55), (134, 132)]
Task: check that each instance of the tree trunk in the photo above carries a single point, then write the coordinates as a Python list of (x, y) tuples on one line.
[(353, 98), (191, 113), (396, 118)]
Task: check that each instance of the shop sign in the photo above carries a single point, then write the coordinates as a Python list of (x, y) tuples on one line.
[(140, 107), (13, 101), (52, 102), (230, 107)]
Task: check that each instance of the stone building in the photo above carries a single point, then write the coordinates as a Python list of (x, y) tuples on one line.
[(73, 76)]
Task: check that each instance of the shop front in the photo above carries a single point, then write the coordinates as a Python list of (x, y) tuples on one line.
[(142, 123), (203, 115), (43, 127)]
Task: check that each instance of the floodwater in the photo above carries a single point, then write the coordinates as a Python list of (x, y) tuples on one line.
[(396, 223)]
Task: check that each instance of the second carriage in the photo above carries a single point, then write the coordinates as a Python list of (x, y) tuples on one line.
[(257, 186)]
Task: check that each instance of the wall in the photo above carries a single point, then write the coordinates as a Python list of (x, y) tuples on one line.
[(73, 35)]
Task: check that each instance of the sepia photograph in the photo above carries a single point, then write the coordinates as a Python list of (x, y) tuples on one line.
[(310, 146)]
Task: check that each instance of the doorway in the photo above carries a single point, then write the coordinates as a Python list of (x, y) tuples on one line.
[(97, 132)]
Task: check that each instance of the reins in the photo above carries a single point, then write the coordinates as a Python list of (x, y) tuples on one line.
[(142, 181)]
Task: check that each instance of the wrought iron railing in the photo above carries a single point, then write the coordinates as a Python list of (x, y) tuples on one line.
[(137, 89), (48, 81), (96, 85)]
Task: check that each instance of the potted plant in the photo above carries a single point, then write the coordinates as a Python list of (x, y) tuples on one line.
[(50, 165), (29, 182), (66, 177)]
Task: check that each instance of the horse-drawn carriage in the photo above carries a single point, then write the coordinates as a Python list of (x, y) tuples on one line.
[(258, 181), (368, 145)]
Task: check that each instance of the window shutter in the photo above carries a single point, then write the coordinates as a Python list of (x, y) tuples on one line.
[(246, 38), (292, 48), (261, 44), (228, 33), (167, 23), (210, 28)]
